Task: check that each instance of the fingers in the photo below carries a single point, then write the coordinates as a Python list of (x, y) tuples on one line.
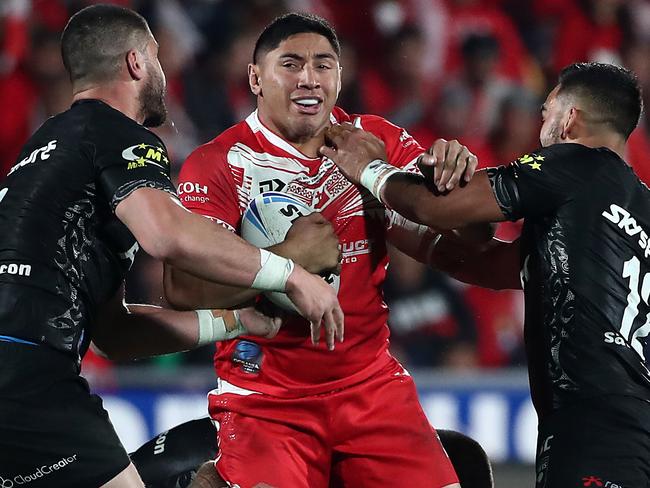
[(328, 152), (339, 321), (439, 152), (472, 164), (451, 162), (314, 326), (330, 330)]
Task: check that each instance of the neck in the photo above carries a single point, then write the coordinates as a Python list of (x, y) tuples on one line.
[(611, 141), (118, 95), (309, 145)]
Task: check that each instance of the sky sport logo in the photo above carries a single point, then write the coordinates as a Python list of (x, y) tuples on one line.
[(23, 479)]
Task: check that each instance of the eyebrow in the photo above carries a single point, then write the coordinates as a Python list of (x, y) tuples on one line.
[(299, 57)]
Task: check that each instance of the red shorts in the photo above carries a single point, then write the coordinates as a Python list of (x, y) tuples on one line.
[(370, 434)]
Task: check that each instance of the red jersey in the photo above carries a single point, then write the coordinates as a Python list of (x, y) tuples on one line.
[(220, 178)]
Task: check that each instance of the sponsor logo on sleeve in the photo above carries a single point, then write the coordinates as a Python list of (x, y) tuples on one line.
[(40, 154), (189, 191), (143, 154)]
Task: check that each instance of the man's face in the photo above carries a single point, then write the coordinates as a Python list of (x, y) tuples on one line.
[(297, 85), (152, 95), (554, 114)]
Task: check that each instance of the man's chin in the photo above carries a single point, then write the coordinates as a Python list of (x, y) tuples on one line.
[(155, 120)]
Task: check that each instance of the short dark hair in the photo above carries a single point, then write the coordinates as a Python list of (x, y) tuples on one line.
[(96, 39), (289, 24), (612, 92)]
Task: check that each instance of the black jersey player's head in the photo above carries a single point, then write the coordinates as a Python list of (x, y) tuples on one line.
[(594, 104), (296, 76), (106, 47)]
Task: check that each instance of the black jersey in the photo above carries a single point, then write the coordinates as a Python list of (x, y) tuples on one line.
[(63, 251), (585, 269)]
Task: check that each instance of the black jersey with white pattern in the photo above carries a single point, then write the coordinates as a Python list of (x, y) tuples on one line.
[(585, 268), (63, 252)]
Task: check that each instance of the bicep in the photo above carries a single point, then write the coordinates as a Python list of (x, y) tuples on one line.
[(151, 215)]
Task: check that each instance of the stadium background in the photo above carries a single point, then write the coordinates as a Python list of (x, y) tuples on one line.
[(476, 70)]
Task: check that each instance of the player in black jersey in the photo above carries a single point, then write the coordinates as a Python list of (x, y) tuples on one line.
[(172, 458), (583, 259), (90, 187)]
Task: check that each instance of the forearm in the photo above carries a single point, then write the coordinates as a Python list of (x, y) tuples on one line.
[(196, 245), (145, 330), (186, 292), (494, 264)]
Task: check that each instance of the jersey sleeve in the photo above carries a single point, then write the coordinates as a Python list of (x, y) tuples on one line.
[(128, 157), (538, 183), (206, 186), (402, 149)]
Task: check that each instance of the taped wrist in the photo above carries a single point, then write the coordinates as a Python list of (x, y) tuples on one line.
[(274, 272), (221, 327), (375, 175)]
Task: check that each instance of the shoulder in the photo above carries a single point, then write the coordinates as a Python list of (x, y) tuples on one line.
[(568, 157), (216, 150)]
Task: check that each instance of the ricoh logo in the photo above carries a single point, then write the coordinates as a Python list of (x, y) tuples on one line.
[(159, 446), (16, 269), (45, 470), (193, 192)]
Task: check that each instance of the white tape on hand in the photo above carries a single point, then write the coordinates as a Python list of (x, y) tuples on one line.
[(218, 328), (375, 175), (274, 272)]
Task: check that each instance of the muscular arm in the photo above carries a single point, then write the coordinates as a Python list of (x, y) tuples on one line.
[(190, 242), (136, 331), (310, 242), (494, 264)]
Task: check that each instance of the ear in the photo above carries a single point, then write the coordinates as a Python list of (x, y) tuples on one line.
[(254, 80), (570, 124), (338, 84), (135, 64)]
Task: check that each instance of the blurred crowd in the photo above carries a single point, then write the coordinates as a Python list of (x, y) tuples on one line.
[(473, 70)]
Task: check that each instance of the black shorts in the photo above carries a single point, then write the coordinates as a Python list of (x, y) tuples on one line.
[(53, 432), (601, 442)]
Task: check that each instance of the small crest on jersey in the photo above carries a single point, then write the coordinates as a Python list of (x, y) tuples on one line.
[(534, 161), (143, 154), (248, 356)]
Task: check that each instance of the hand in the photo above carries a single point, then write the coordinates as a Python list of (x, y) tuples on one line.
[(312, 243), (258, 324), (317, 302), (352, 149), (448, 161)]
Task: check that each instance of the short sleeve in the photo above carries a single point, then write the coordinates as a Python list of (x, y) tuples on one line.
[(402, 149), (538, 183), (128, 157), (206, 186)]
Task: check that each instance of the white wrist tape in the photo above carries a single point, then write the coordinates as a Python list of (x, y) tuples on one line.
[(213, 329), (375, 175), (274, 272)]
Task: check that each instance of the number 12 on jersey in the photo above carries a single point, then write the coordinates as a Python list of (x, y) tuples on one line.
[(632, 270)]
